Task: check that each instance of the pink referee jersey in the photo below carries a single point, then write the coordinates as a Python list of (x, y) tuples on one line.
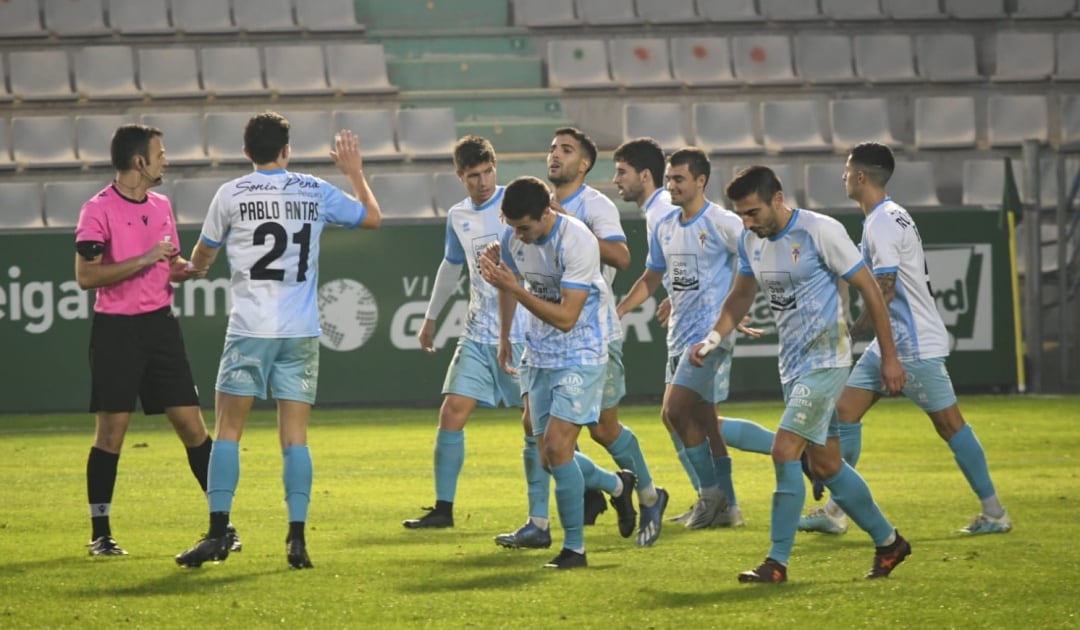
[(130, 228)]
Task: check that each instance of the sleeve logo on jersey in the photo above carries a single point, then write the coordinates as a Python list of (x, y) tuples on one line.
[(779, 289), (684, 272)]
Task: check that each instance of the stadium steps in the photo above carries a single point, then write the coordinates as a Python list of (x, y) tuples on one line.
[(465, 72), (421, 15)]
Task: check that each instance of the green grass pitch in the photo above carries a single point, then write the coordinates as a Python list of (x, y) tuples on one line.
[(373, 469)]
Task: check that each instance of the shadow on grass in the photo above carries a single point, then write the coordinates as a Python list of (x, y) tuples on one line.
[(175, 582), (656, 598)]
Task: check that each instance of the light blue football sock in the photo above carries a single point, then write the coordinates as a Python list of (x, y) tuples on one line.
[(538, 481), (701, 459), (595, 477), (223, 475), (746, 435), (850, 442), (296, 474), (788, 499), (850, 492), (680, 450), (570, 501), (626, 451), (449, 458), (971, 458), (722, 466)]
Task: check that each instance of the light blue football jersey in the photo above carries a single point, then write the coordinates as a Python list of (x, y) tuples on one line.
[(567, 258), (657, 207), (798, 270), (270, 223), (595, 210), (698, 260), (469, 229), (891, 244)]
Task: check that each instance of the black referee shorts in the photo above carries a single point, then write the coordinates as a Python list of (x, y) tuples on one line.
[(139, 356)]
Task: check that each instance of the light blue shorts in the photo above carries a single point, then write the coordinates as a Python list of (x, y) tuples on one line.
[(572, 394), (811, 404), (474, 372), (614, 376), (711, 382), (290, 367), (928, 384)]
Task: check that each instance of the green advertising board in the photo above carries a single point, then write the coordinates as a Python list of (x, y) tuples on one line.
[(374, 288)]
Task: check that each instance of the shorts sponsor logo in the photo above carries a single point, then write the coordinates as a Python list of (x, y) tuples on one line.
[(348, 314), (801, 391)]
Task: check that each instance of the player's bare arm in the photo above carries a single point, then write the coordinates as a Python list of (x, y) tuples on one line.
[(735, 308), (892, 371), (507, 305), (887, 283), (562, 314), (92, 273), (346, 154), (614, 253), (643, 287)]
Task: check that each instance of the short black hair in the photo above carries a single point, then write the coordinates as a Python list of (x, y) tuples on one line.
[(876, 160), (695, 160), (129, 141), (587, 144), (472, 150), (643, 154), (526, 197), (754, 179), (265, 135)]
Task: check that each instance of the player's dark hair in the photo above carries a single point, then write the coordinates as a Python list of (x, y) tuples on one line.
[(265, 135), (874, 159), (472, 151), (696, 161), (587, 144), (754, 179), (526, 197), (643, 154), (129, 141)]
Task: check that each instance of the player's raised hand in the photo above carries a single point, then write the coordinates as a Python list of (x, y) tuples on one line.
[(346, 152), (556, 206), (496, 273)]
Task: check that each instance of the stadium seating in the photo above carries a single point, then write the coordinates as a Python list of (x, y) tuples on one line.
[(43, 142), (105, 73), (825, 187), (762, 59), (786, 173), (295, 70), (607, 12), (6, 163), (64, 200), (183, 136), (662, 122), (263, 15), (231, 71), (539, 13), (309, 136), (885, 58), (947, 57), (824, 59), (191, 198), (407, 195), (225, 137), (40, 75), (1023, 56), (944, 122), (667, 11), (1067, 52), (374, 128), (169, 73), (202, 16), (427, 133), (913, 9), (327, 15), (448, 192), (725, 128), (793, 126), (641, 63), (852, 9), (1011, 119), (702, 61), (66, 18), (22, 205), (20, 19), (858, 120), (358, 69), (1070, 121), (728, 11), (139, 17), (5, 96), (1043, 9), (983, 181), (790, 10), (975, 9), (578, 64), (93, 136), (914, 185)]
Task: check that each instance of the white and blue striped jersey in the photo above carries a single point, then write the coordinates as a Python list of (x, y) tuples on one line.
[(568, 258), (698, 259), (797, 270), (595, 210), (469, 229), (270, 223), (891, 244)]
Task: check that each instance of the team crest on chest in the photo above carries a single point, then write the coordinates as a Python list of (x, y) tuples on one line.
[(702, 237), (796, 251)]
